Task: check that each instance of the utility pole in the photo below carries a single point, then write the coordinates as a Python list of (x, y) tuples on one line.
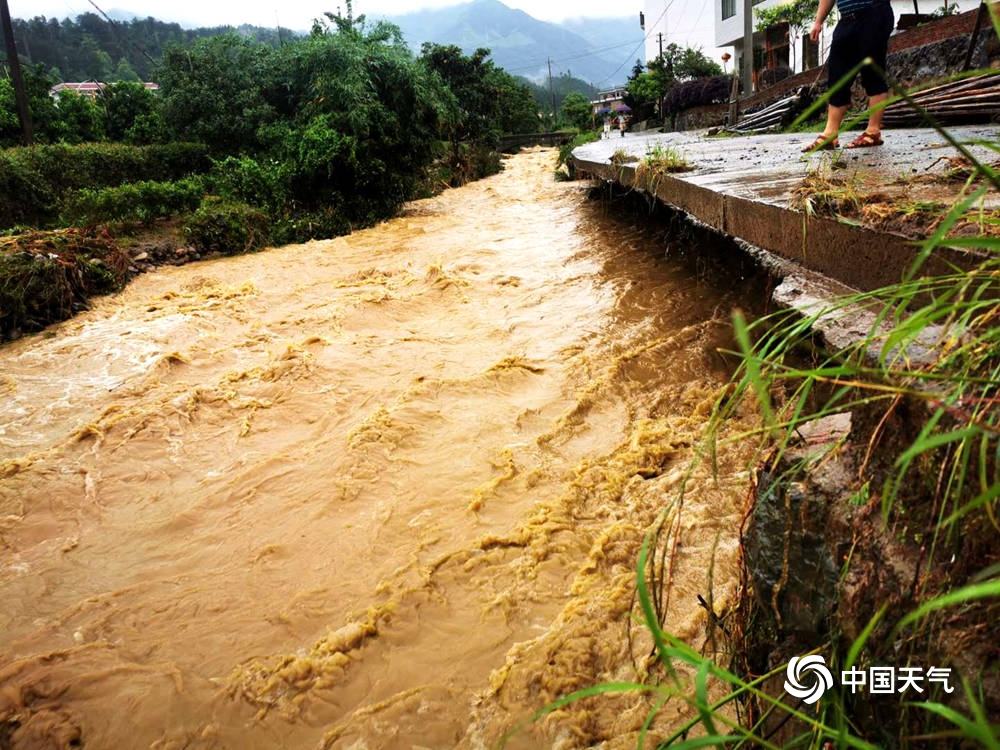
[(747, 47), (552, 93), (660, 38), (14, 64)]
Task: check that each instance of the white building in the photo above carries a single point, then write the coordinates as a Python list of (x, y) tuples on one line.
[(89, 89), (686, 23), (609, 102), (781, 47)]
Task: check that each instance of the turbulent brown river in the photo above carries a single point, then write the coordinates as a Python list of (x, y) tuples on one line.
[(382, 491)]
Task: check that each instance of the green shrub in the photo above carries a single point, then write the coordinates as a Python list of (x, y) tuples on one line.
[(566, 152), (226, 227), (134, 202), (264, 184), (35, 180)]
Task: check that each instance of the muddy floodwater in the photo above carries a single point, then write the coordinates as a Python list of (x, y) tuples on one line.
[(382, 491)]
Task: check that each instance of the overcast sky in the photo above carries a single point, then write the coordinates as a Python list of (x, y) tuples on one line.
[(298, 14)]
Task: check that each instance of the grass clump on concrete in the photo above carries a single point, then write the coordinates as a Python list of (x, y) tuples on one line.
[(663, 158), (621, 156), (913, 207)]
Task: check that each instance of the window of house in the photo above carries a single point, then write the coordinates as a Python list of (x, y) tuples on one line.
[(728, 9)]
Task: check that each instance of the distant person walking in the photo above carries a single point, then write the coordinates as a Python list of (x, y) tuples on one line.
[(862, 31), (607, 128), (622, 123)]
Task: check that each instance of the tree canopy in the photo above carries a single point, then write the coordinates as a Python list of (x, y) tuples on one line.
[(325, 131), (647, 88)]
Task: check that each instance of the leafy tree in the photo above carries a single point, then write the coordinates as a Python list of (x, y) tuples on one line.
[(685, 63), (487, 100), (123, 102), (79, 118), (148, 129), (577, 111), (10, 125), (691, 64), (213, 93), (637, 70), (365, 115), (516, 109), (96, 60), (125, 72), (798, 14), (354, 122), (45, 116), (646, 91)]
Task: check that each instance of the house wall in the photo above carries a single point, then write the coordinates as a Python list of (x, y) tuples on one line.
[(730, 30), (929, 51)]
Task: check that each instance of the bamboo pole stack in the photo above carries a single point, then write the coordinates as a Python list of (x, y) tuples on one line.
[(772, 117), (972, 99)]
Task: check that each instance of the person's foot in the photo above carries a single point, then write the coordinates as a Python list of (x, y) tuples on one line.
[(866, 140), (822, 143)]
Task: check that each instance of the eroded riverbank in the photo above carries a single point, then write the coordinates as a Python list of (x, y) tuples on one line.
[(381, 491)]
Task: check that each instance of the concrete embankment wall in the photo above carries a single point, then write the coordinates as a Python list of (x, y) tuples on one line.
[(742, 188)]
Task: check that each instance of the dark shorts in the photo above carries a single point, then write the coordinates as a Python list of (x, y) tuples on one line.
[(864, 34)]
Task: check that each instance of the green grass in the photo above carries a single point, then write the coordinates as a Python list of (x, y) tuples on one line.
[(663, 158), (566, 154)]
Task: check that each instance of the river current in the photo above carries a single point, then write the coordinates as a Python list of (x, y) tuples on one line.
[(381, 491)]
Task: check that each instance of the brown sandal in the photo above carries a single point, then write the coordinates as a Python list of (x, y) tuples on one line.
[(822, 143), (866, 140)]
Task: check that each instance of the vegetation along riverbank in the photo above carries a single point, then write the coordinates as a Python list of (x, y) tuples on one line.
[(245, 145)]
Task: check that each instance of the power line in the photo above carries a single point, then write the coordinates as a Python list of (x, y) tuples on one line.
[(592, 52), (666, 7), (697, 23)]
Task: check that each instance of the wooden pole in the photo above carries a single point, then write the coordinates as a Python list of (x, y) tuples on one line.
[(14, 64), (747, 47), (975, 34)]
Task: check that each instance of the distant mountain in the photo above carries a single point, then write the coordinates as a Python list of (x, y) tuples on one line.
[(600, 52), (522, 45)]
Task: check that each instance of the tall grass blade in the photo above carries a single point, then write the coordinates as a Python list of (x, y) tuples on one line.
[(964, 595)]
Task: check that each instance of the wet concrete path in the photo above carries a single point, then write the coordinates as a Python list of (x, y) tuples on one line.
[(745, 188)]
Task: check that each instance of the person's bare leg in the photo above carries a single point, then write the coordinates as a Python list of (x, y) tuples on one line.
[(834, 117), (828, 138), (875, 118)]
